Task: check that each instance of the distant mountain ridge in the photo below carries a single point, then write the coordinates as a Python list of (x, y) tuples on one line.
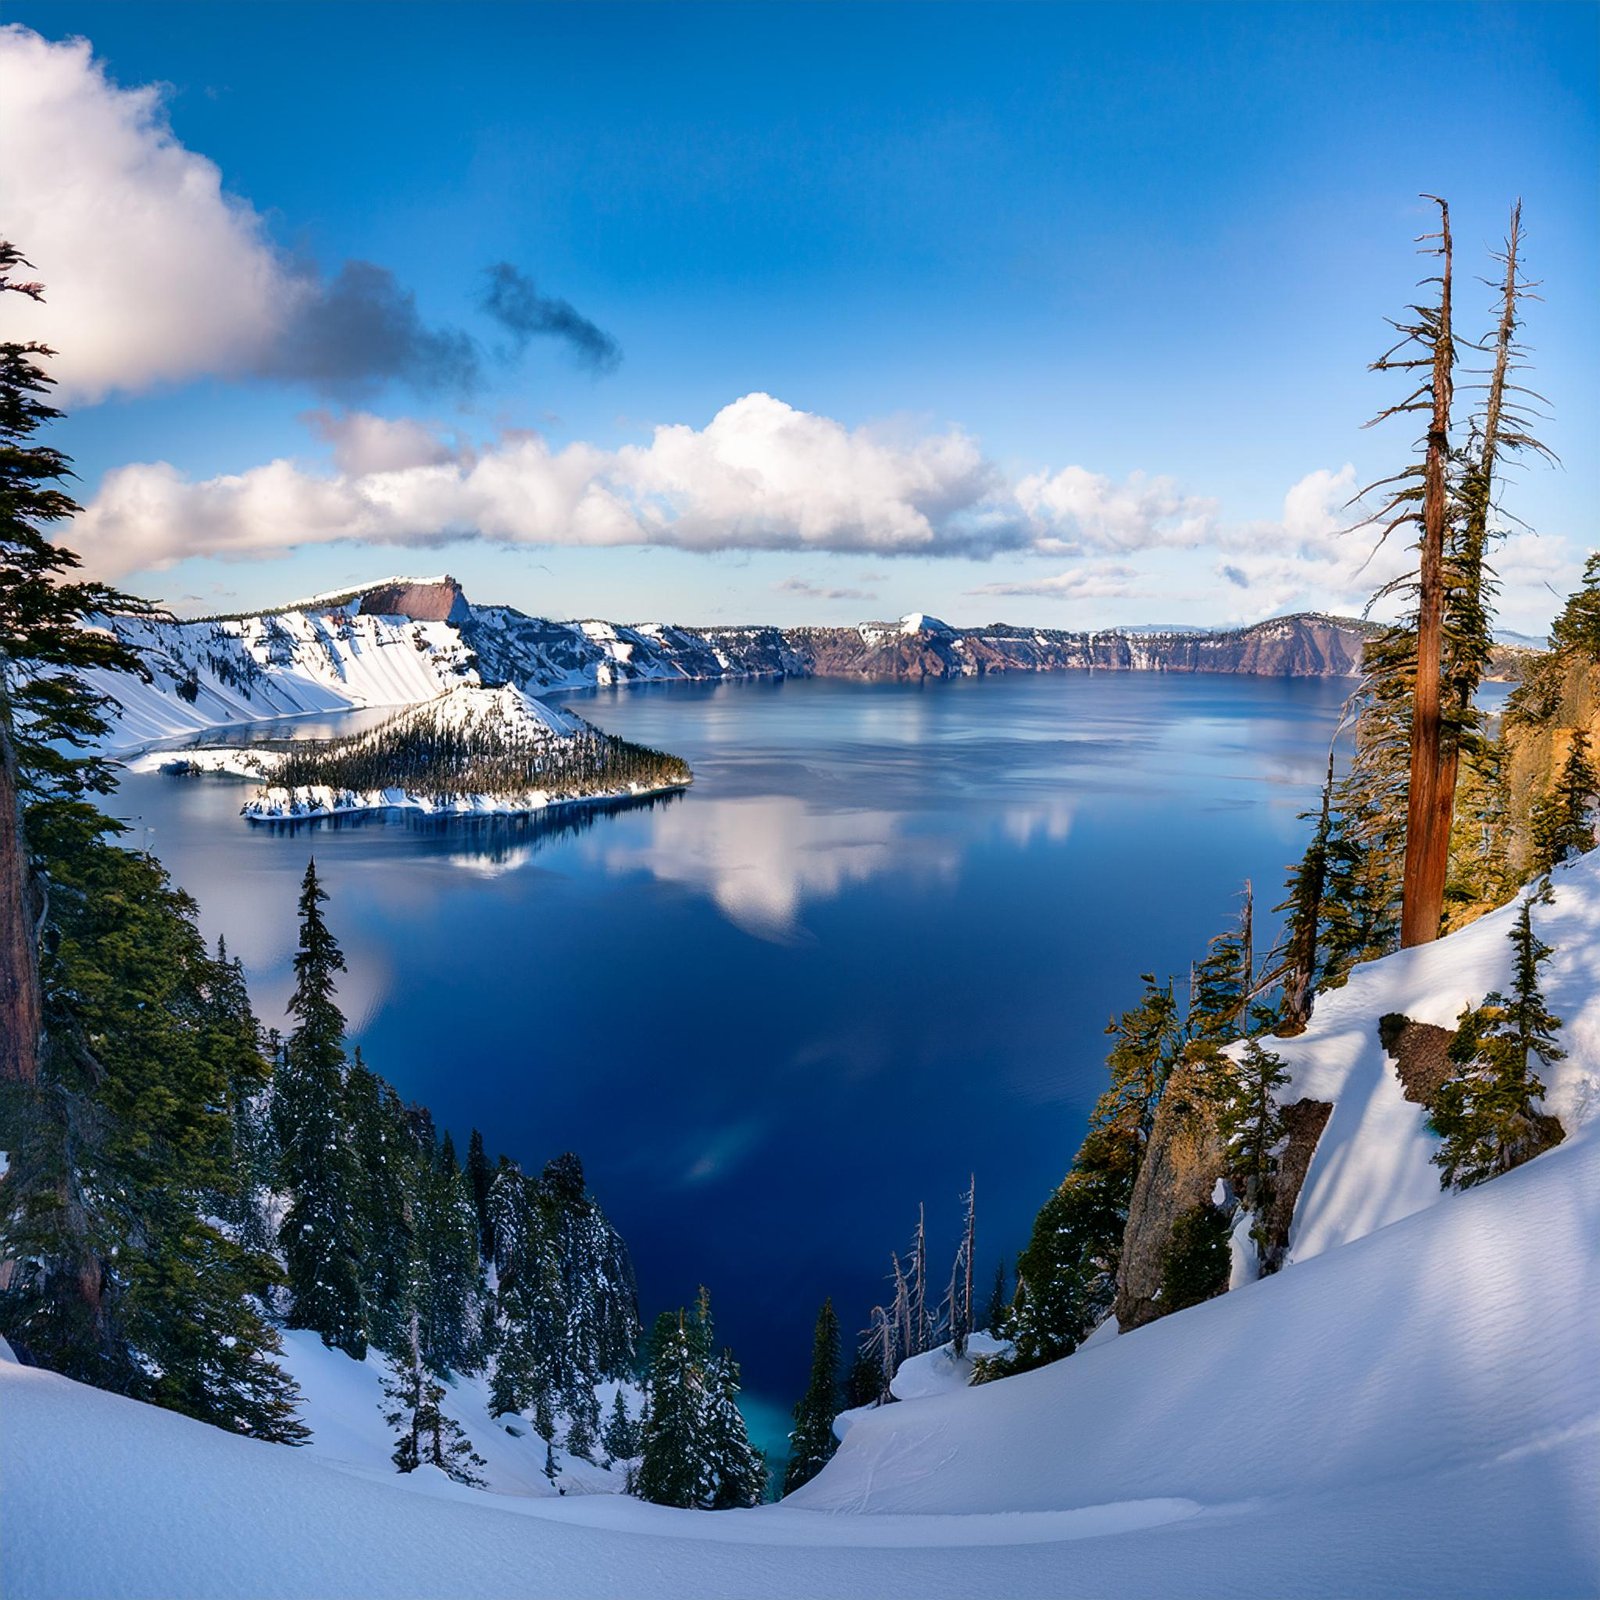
[(407, 639)]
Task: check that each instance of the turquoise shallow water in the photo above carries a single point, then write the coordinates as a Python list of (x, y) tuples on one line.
[(873, 950)]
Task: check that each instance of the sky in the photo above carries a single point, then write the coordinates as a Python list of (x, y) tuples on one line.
[(1058, 315)]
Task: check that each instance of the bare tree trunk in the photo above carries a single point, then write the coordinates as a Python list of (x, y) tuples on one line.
[(1427, 846), (1476, 533), (21, 1008)]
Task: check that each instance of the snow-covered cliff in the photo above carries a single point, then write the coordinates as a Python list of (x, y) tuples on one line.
[(1411, 1407), (408, 639)]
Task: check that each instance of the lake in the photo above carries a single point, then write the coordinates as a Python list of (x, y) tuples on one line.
[(871, 952)]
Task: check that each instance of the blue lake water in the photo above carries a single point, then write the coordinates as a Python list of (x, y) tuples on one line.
[(871, 952)]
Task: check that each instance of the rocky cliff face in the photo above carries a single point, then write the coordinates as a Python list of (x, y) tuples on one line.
[(418, 600), (408, 639)]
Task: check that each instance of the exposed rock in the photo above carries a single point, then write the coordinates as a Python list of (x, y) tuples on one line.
[(1181, 1166), (1421, 1054), (422, 600), (1304, 1120)]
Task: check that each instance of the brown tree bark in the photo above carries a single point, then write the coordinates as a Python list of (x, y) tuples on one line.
[(1427, 844), (21, 1009)]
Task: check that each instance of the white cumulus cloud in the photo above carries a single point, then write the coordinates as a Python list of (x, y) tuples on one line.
[(152, 271)]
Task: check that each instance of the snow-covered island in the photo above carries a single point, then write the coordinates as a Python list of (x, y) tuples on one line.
[(472, 751)]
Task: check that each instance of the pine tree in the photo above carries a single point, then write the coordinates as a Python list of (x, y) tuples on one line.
[(388, 1161), (1303, 953), (480, 1174), (322, 1231), (1249, 1120), (1484, 1113), (119, 1273), (1563, 822), (581, 1441), (621, 1439), (447, 1238), (427, 1437), (994, 1316), (1224, 981), (959, 1297), (50, 720), (672, 1469), (812, 1442), (736, 1471)]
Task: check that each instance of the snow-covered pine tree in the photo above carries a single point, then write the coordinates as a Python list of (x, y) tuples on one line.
[(529, 1372), (447, 1236), (480, 1175), (583, 1424), (994, 1315), (1485, 1113), (387, 1158), (958, 1298), (672, 1469), (736, 1470), (620, 1440), (1249, 1120), (321, 1235), (812, 1444), (426, 1436)]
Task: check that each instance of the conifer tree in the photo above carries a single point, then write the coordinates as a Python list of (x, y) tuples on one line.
[(620, 1439), (736, 1471), (426, 1436), (119, 1273), (994, 1316), (1484, 1113), (480, 1174), (322, 1236), (388, 1161), (1303, 953), (447, 1238), (581, 1441), (50, 720), (1563, 822), (1224, 981), (1249, 1120), (672, 1469), (811, 1444), (959, 1297)]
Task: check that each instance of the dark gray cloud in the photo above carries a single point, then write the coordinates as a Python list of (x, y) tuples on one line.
[(512, 299), (362, 328), (1235, 575)]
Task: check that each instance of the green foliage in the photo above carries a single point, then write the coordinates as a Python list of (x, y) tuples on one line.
[(812, 1444), (1577, 629), (622, 1438), (323, 1236), (695, 1450), (49, 717), (1249, 1120), (426, 1436), (1484, 1114), (422, 756), (125, 1151), (1197, 1261), (1563, 822)]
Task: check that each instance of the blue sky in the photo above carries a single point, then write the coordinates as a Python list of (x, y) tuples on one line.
[(1080, 298)]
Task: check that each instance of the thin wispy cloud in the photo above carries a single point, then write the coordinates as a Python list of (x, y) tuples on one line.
[(816, 591)]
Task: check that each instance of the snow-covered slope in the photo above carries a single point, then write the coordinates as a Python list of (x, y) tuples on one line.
[(289, 663), (405, 640), (1411, 1407)]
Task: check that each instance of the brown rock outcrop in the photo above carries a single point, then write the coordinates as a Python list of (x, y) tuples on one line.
[(1304, 1122), (1421, 1054), (421, 602), (1181, 1166)]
